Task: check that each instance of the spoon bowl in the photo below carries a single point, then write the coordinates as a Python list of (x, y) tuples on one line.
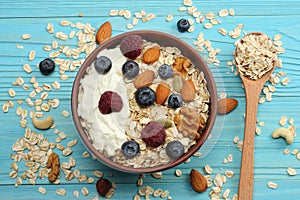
[(252, 89)]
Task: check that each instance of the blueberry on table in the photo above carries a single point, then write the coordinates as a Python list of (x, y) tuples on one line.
[(174, 149), (130, 149), (145, 96), (183, 25), (130, 69), (165, 71), (174, 101), (47, 66), (102, 64)]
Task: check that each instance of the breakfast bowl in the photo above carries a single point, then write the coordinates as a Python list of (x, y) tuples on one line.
[(144, 101)]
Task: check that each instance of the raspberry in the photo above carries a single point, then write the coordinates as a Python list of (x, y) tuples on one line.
[(131, 46), (110, 102), (154, 134)]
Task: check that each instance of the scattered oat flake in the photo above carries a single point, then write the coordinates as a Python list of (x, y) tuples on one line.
[(27, 68), (42, 190), (282, 120), (169, 18), (223, 13), (285, 81), (84, 191), (65, 113), (187, 2), (61, 192), (272, 185), (50, 28), (31, 55), (222, 31), (26, 36), (19, 46), (11, 92), (291, 171), (114, 12), (208, 25), (231, 12), (178, 172)]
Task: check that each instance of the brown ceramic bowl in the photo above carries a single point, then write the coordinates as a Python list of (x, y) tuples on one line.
[(162, 39)]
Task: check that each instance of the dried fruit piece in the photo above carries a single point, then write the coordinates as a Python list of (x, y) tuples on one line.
[(198, 181), (104, 32), (110, 102), (131, 46), (154, 134), (103, 186), (188, 92), (151, 55), (144, 79), (162, 93), (53, 163), (226, 105)]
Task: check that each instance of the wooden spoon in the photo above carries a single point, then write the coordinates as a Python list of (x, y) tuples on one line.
[(252, 89)]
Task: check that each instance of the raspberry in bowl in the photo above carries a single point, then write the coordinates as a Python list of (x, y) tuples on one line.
[(144, 101)]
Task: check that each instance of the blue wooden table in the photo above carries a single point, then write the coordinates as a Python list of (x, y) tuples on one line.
[(31, 17)]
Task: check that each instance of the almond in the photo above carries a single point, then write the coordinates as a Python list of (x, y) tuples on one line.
[(151, 55), (198, 181), (104, 32), (144, 79), (188, 92), (226, 105), (162, 93)]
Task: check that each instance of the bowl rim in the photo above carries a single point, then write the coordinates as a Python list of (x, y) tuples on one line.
[(111, 43)]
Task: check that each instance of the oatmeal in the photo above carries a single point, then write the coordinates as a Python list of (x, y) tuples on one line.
[(255, 55), (142, 104)]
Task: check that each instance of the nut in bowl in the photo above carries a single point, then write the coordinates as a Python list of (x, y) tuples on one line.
[(144, 101)]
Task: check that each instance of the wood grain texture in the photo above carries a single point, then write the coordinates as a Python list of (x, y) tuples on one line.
[(252, 90), (32, 16)]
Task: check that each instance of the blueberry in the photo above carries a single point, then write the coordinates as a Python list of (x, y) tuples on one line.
[(174, 149), (102, 64), (145, 96), (183, 25), (130, 149), (174, 101), (130, 69), (165, 71), (47, 66)]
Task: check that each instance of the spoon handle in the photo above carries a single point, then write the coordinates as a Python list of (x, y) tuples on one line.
[(247, 163)]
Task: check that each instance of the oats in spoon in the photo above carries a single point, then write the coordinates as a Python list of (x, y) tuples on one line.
[(255, 55)]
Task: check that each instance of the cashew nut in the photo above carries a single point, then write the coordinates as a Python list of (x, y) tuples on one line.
[(285, 133), (43, 123)]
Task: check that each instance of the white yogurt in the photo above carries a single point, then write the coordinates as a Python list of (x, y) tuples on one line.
[(106, 131)]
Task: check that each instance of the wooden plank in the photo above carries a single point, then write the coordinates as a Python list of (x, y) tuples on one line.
[(18, 17)]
